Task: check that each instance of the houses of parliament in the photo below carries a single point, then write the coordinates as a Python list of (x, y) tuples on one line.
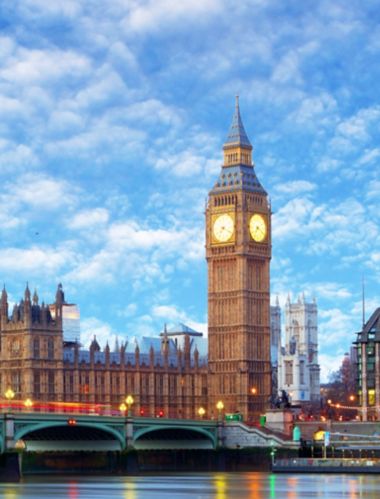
[(175, 374)]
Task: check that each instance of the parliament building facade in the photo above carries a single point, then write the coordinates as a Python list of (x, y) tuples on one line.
[(177, 373)]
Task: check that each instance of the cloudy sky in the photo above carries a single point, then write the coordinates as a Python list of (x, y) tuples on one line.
[(112, 119)]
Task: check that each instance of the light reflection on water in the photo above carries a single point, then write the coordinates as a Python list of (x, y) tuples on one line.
[(197, 485)]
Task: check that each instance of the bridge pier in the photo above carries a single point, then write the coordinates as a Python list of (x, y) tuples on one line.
[(9, 442), (220, 433), (129, 432)]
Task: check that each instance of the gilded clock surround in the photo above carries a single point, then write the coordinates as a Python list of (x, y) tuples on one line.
[(258, 227), (223, 227)]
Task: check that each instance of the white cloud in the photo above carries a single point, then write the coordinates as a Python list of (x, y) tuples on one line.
[(141, 253), (172, 315), (58, 8), (35, 260), (295, 187), (39, 191), (369, 156), (331, 291), (88, 219), (16, 157), (317, 112), (30, 66), (297, 216), (153, 15), (92, 326)]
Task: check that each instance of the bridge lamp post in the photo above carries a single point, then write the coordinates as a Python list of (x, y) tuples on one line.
[(28, 404), (220, 407), (122, 408), (9, 395), (129, 401), (201, 412)]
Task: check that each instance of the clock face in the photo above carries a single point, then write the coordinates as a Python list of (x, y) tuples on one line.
[(223, 228), (258, 228)]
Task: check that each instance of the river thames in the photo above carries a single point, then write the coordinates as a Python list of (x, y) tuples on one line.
[(198, 485)]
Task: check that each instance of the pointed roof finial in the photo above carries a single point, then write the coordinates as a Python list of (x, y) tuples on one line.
[(35, 297), (237, 134), (27, 292)]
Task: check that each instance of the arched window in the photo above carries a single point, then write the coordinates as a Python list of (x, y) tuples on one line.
[(50, 348), (36, 348)]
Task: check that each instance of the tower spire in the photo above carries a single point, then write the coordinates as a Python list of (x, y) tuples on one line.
[(237, 134), (237, 147)]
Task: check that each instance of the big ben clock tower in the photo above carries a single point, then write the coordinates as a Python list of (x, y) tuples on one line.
[(238, 252)]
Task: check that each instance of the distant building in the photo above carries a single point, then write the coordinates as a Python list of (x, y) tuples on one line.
[(298, 368), (70, 321), (367, 347)]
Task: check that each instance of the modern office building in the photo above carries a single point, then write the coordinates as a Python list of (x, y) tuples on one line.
[(367, 347)]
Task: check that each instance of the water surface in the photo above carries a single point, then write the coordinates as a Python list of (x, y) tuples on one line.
[(198, 485)]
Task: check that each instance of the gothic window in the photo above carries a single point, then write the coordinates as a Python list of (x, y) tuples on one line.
[(16, 382), (302, 372), (36, 348), (15, 348), (50, 347), (288, 372), (296, 331), (37, 384), (51, 383)]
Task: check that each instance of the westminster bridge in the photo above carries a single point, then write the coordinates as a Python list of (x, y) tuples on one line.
[(45, 432)]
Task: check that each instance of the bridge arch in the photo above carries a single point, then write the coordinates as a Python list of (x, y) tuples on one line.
[(98, 429), (174, 437)]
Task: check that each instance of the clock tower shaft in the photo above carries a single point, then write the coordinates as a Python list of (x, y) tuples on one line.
[(238, 281)]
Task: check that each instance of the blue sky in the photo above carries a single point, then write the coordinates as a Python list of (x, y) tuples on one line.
[(112, 120)]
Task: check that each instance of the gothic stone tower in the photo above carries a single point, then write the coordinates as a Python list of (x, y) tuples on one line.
[(31, 348), (238, 252)]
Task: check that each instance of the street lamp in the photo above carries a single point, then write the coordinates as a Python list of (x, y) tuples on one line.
[(220, 407), (9, 395), (122, 408), (254, 390), (201, 412), (129, 401), (28, 404)]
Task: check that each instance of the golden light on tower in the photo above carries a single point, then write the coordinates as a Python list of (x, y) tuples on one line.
[(201, 412), (129, 401), (28, 404), (9, 394), (220, 407)]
